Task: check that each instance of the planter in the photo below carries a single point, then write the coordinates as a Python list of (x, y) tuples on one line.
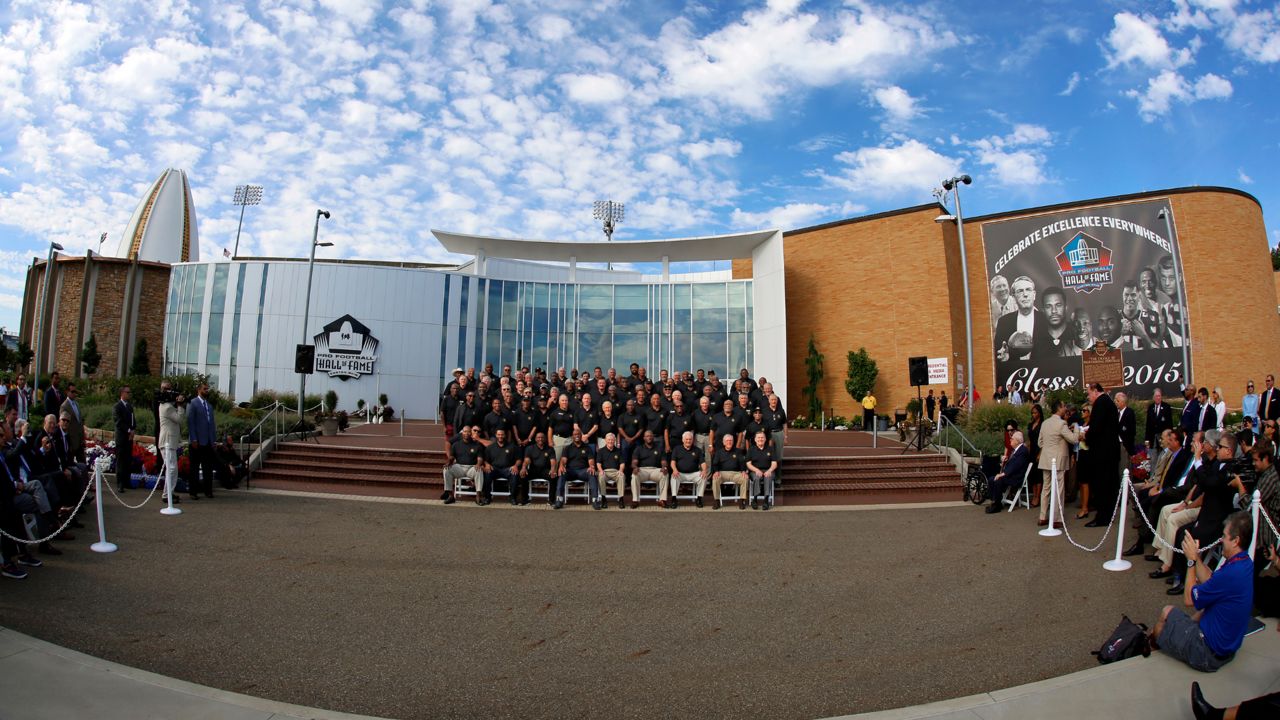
[(329, 426)]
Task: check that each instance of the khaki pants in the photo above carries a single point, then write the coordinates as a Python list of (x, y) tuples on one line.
[(733, 476), (648, 474), (1044, 494), (616, 477), (703, 443), (694, 477), (1167, 529), (456, 472), (558, 444)]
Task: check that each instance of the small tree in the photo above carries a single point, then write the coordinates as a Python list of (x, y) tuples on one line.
[(141, 364), (331, 401), (24, 355), (1275, 258), (861, 376), (813, 370), (89, 356)]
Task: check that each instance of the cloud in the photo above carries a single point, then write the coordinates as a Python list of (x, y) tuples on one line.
[(1137, 40), (792, 215), (594, 89), (909, 168), (1169, 87), (1016, 160), (897, 103), (1242, 177), (720, 146), (1072, 83)]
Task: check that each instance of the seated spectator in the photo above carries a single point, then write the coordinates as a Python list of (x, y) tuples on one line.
[(230, 468), (462, 460), (1259, 708), (538, 463), (762, 463), (729, 464), (1222, 599), (648, 464), (1015, 470), (688, 465), (501, 462), (611, 467), (30, 496), (577, 464), (1218, 489)]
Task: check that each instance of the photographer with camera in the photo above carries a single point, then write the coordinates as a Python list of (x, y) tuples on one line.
[(172, 411)]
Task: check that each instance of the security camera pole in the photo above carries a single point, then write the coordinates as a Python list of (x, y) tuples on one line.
[(306, 306), (245, 195), (953, 185), (611, 213)]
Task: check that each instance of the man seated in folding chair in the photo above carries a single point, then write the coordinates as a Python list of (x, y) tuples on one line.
[(762, 463), (539, 461), (688, 465), (729, 464), (462, 460), (501, 462), (1011, 476), (577, 464), (609, 467), (648, 464)]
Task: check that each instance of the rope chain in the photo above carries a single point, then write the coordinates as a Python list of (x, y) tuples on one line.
[(1103, 541), (56, 533), (1159, 541)]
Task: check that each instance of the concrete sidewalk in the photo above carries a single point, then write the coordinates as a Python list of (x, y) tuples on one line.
[(1155, 687)]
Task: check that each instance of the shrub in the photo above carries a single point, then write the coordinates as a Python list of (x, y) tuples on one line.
[(331, 400), (861, 376), (992, 417)]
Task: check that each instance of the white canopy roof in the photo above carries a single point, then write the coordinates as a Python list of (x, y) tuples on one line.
[(695, 249)]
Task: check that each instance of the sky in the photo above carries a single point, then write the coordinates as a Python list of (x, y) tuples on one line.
[(703, 118)]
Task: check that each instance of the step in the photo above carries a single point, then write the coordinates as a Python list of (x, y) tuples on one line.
[(296, 458), (302, 468), (354, 478)]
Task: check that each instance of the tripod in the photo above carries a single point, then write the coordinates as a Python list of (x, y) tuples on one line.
[(918, 441)]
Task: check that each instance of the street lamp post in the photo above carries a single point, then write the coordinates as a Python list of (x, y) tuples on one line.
[(306, 307), (611, 213), (953, 185), (1184, 311), (245, 195), (44, 308)]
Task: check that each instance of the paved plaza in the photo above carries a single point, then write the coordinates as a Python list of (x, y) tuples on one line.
[(413, 610)]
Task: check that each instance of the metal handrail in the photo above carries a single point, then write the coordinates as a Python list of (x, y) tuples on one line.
[(945, 426)]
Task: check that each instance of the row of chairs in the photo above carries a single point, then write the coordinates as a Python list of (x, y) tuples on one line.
[(541, 488)]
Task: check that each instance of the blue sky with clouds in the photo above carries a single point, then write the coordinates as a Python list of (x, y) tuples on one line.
[(511, 118)]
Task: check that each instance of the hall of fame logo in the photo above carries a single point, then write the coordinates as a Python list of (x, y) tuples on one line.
[(1085, 264), (346, 349)]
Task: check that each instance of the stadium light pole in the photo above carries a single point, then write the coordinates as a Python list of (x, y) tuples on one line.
[(306, 306), (611, 213), (44, 308), (953, 185), (245, 195), (1177, 278)]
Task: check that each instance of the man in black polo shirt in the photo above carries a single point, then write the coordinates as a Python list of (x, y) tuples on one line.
[(501, 461), (679, 420), (469, 412), (610, 468), (462, 460), (762, 464), (754, 425), (606, 424), (688, 464), (648, 465), (654, 419), (726, 422), (631, 430), (729, 464), (775, 421), (525, 421), (495, 420), (560, 422), (577, 462), (587, 420), (539, 464), (702, 417)]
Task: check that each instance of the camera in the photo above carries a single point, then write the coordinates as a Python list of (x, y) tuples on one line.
[(167, 396), (1243, 466)]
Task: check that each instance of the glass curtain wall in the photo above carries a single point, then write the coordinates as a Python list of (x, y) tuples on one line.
[(675, 327)]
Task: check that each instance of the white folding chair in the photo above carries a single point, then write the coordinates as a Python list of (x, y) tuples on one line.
[(577, 489), (464, 486), (677, 484), (1024, 492), (652, 496), (32, 525), (737, 490), (621, 485), (540, 494)]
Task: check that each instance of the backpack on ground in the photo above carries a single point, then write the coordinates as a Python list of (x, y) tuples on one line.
[(1129, 639)]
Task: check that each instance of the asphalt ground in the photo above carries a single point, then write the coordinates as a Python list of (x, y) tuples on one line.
[(426, 611)]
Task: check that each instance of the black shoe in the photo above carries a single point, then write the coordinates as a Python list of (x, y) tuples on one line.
[(29, 560), (595, 504), (558, 505), (1095, 523), (992, 509), (445, 495), (1175, 590), (673, 504), (766, 505), (524, 501), (11, 570), (754, 504), (1171, 580), (449, 499), (1201, 707), (697, 501), (1151, 558), (604, 502), (1157, 574), (1135, 549)]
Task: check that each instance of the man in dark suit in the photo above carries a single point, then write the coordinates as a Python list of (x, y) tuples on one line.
[(75, 426), (202, 432), (1208, 413), (1103, 437), (1028, 321), (1128, 422), (1011, 476), (53, 395), (1190, 420), (1159, 419), (125, 425), (1269, 403)]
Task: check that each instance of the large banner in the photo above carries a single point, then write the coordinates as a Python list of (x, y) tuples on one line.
[(1060, 283)]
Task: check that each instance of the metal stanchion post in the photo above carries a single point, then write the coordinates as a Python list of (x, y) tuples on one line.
[(169, 489), (1119, 564), (1052, 531), (102, 546), (1256, 510)]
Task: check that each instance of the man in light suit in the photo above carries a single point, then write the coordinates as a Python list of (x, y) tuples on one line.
[(172, 410), (1056, 439), (75, 423), (202, 432), (1015, 469)]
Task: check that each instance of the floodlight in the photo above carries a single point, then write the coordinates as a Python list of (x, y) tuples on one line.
[(244, 195), (945, 218)]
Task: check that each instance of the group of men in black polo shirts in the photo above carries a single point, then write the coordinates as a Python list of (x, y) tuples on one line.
[(603, 430)]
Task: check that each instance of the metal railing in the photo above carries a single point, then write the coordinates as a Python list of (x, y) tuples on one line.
[(943, 437)]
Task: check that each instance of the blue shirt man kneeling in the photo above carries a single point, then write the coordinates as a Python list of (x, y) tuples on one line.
[(1223, 601)]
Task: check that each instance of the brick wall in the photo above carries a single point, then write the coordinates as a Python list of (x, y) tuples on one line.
[(151, 311), (71, 277)]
